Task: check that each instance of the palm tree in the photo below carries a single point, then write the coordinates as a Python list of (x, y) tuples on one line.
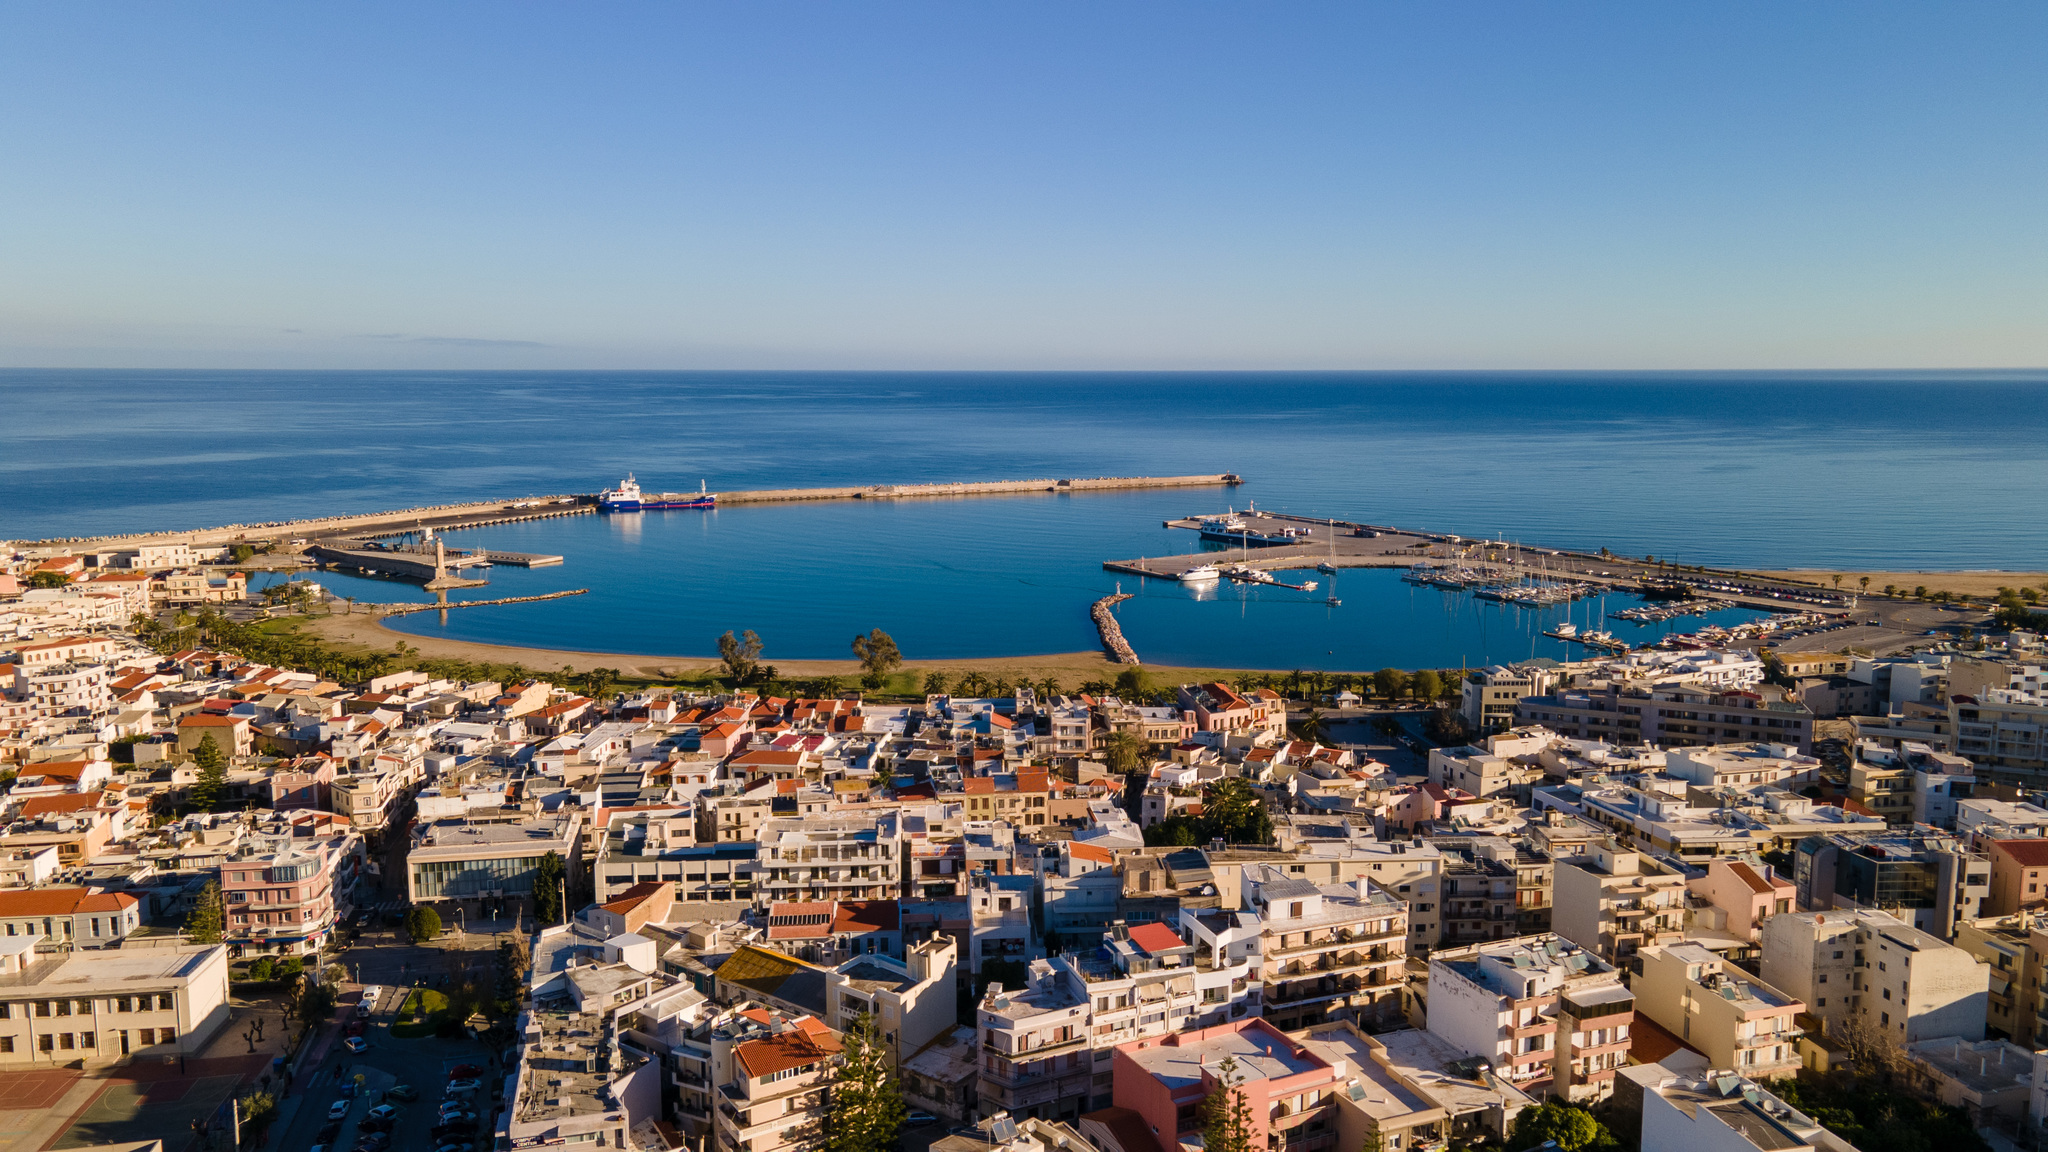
[(1311, 726)]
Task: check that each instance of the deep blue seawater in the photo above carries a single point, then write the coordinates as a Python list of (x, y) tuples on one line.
[(1869, 470)]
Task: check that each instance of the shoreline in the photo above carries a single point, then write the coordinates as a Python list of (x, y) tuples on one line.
[(368, 631)]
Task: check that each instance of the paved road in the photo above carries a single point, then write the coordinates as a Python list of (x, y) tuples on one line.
[(421, 1063)]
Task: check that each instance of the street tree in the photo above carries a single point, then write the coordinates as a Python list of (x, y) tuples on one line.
[(207, 921), (422, 924), (1572, 1128), (1428, 685), (210, 790), (1127, 751), (867, 1105), (935, 683), (1389, 682), (548, 896), (742, 655)]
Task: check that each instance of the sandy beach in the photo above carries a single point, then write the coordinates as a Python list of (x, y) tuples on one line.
[(363, 630), (1983, 583)]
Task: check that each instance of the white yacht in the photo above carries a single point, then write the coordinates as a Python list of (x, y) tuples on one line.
[(1200, 573)]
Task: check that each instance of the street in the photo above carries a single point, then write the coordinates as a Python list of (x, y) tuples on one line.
[(384, 960)]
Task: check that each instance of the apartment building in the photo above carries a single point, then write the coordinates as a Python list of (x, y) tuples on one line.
[(912, 1000), (1725, 1114), (582, 1076), (1487, 698), (2002, 731), (1742, 895), (99, 1007), (1290, 1090), (733, 817), (1479, 893), (1219, 709), (1017, 798), (2019, 876), (1551, 1016), (1871, 968), (774, 1084), (367, 799), (1613, 901), (2014, 953), (829, 858), (1926, 877), (1036, 1055), (285, 901), (1327, 952), (1738, 1022)]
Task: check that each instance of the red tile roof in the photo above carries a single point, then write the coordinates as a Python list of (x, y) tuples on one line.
[(792, 1049), (2027, 853), (867, 916), (61, 901), (70, 802)]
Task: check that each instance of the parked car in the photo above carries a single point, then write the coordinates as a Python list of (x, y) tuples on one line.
[(919, 1119), (337, 1110), (383, 1112), (461, 1071), (357, 1044), (356, 1027), (451, 1131), (402, 1092), (327, 1132), (453, 1148), (374, 1142), (464, 1085), (458, 1117), (366, 1125)]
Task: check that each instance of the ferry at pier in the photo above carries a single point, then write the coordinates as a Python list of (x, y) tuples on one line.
[(627, 497)]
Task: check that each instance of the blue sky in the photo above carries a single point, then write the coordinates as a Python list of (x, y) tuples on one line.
[(1046, 185)]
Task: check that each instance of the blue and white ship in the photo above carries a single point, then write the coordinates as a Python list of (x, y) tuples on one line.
[(627, 497)]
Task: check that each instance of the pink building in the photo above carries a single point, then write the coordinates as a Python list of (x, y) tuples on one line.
[(1290, 1090), (284, 902), (1746, 895)]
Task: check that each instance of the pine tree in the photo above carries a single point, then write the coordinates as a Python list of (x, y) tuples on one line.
[(547, 889), (1226, 1114), (208, 917), (211, 789), (867, 1106)]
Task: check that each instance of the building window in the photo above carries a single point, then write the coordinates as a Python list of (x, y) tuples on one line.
[(6, 1043), (164, 1001)]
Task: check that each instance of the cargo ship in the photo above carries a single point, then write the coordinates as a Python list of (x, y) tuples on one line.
[(627, 497)]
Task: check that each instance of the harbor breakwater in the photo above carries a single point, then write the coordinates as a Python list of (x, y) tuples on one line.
[(408, 609), (1113, 640), (479, 514)]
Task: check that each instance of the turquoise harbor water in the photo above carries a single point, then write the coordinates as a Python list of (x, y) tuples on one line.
[(1926, 470)]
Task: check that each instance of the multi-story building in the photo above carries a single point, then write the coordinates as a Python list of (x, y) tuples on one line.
[(1742, 895), (830, 858), (1736, 1021), (1613, 901), (2014, 952), (64, 691), (450, 861), (1670, 715), (100, 1007), (1218, 708), (69, 917), (1488, 697), (1290, 1091), (774, 1084), (1551, 1016), (913, 1000), (1479, 897), (367, 799), (1327, 952), (1868, 968), (1036, 1055), (1726, 1114), (1922, 876), (2019, 876), (583, 1077), (2002, 731), (1017, 798), (284, 901)]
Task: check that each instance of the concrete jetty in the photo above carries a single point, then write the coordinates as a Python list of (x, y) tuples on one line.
[(443, 605), (980, 488)]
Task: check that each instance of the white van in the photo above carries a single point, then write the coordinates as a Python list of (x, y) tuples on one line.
[(368, 1003)]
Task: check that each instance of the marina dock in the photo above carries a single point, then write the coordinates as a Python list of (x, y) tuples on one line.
[(981, 488)]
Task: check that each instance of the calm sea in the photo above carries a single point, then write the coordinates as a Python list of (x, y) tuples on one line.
[(1871, 470)]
